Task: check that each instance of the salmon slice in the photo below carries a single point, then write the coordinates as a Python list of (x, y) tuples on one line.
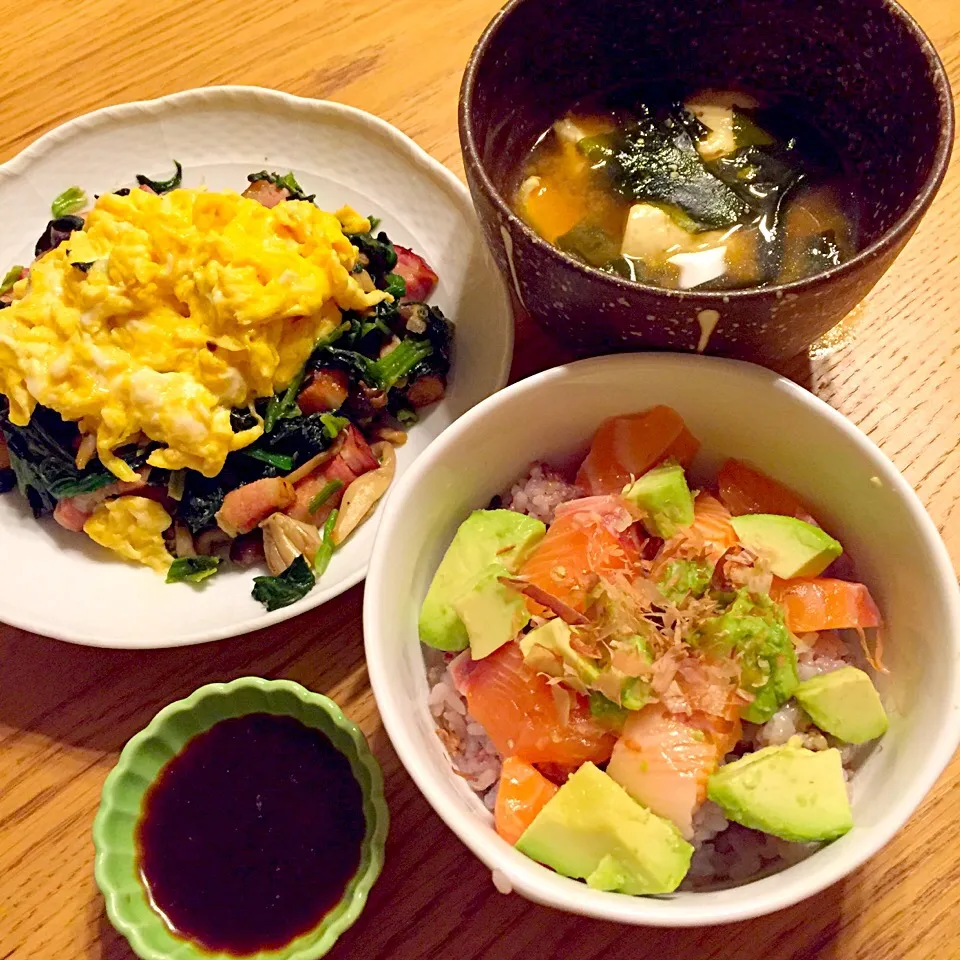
[(623, 448), (524, 717), (744, 489), (710, 535), (663, 760), (522, 794), (821, 603), (582, 545)]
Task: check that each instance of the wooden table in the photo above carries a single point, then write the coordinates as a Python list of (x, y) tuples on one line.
[(66, 711)]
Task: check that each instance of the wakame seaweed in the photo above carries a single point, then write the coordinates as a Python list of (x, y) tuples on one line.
[(43, 459), (192, 569), (654, 159), (379, 253), (57, 230), (285, 588), (202, 497), (163, 186)]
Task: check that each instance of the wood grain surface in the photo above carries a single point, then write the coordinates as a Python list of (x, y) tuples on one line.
[(66, 711)]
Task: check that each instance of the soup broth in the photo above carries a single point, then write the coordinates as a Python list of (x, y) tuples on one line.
[(714, 192)]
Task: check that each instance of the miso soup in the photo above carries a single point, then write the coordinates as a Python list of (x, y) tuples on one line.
[(712, 192)]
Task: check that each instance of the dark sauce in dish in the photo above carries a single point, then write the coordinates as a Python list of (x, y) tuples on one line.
[(251, 834)]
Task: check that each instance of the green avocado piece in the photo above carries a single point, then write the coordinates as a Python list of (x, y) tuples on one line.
[(491, 613), (787, 791), (681, 578), (592, 829), (604, 709), (554, 636), (484, 538), (845, 704), (634, 692), (753, 627), (792, 547), (662, 493)]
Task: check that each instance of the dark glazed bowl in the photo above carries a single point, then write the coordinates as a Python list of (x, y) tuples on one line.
[(862, 70)]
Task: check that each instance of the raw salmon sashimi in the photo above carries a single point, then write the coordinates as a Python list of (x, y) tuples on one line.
[(663, 760), (522, 714), (623, 448), (813, 604), (744, 489), (522, 794), (710, 535), (588, 540)]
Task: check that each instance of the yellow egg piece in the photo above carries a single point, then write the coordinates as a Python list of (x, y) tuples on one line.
[(165, 312), (132, 527)]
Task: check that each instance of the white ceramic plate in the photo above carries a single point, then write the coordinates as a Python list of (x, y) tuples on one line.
[(735, 410), (65, 586)]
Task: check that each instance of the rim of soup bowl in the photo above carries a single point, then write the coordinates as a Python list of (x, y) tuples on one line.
[(899, 231)]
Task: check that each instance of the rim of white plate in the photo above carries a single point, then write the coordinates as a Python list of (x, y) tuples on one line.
[(19, 164)]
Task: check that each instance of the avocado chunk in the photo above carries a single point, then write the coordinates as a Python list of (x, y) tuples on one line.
[(663, 494), (682, 578), (787, 791), (634, 691), (845, 704), (484, 538), (753, 627), (554, 636), (491, 613), (592, 829), (792, 547)]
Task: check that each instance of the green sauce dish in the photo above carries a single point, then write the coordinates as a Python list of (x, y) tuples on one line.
[(247, 820)]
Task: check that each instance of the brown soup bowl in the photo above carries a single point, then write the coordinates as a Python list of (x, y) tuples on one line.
[(862, 71)]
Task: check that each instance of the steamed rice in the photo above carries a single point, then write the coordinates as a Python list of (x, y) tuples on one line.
[(540, 492), (474, 756), (726, 853)]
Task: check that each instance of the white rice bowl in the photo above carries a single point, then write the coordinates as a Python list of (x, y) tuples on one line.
[(735, 410)]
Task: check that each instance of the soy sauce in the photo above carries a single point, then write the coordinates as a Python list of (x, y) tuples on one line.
[(251, 834)]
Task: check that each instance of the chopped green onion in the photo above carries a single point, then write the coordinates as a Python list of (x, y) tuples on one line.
[(281, 461), (326, 492), (374, 223), (70, 201), (321, 559), (10, 278), (332, 424), (386, 371), (281, 403), (192, 569), (176, 484), (162, 186)]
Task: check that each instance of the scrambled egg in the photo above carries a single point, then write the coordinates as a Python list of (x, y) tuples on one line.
[(167, 311), (133, 527)]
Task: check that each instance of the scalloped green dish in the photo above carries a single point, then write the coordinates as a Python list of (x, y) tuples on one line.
[(121, 806)]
